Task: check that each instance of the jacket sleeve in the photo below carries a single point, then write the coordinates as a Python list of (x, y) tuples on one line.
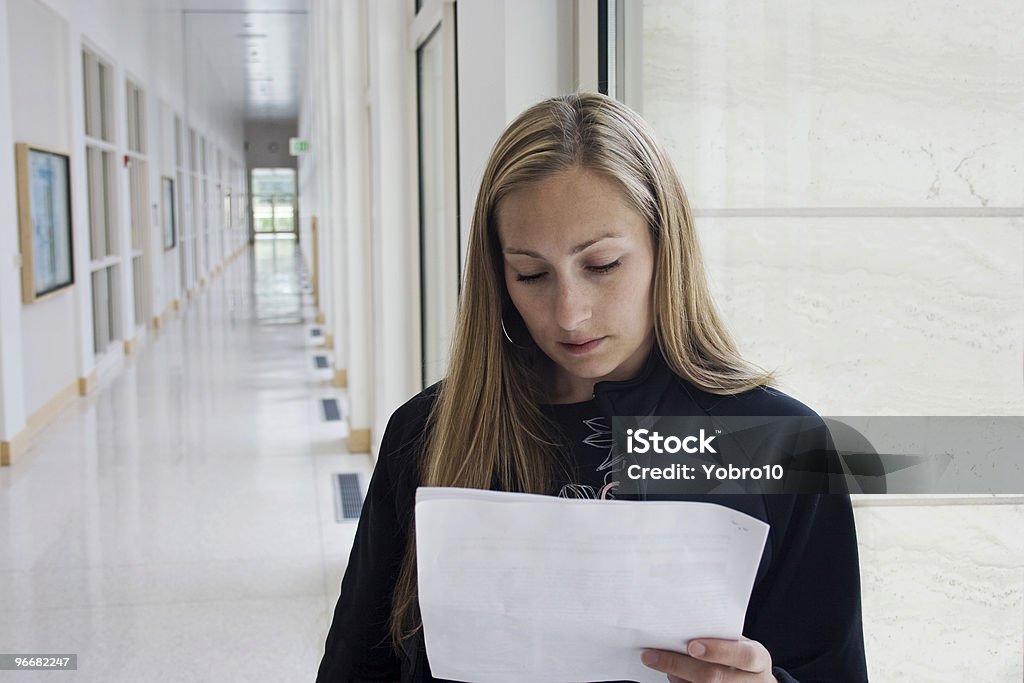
[(807, 610), (358, 646)]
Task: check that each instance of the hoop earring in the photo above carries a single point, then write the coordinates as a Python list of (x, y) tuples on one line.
[(505, 331)]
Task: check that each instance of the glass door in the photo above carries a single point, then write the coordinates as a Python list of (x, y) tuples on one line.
[(273, 202)]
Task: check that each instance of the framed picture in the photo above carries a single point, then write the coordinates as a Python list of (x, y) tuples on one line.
[(44, 221), (167, 207)]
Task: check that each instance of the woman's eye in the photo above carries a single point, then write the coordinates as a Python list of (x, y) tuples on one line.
[(529, 278), (606, 267)]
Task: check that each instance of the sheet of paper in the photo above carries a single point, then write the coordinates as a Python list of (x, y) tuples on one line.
[(516, 587)]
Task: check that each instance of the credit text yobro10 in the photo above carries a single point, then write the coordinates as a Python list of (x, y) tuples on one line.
[(643, 441)]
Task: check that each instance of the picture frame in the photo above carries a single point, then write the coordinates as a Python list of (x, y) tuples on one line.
[(168, 213), (44, 221)]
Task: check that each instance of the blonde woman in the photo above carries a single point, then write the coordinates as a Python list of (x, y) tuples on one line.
[(585, 297)]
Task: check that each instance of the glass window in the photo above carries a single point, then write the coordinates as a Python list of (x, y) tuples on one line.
[(439, 244), (273, 200), (135, 104), (104, 288), (96, 88), (177, 142), (139, 286)]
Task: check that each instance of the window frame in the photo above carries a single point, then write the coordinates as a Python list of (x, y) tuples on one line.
[(437, 18)]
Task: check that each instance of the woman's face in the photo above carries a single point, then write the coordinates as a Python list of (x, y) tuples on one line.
[(579, 263)]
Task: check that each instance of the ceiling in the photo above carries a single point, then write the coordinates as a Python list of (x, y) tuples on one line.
[(255, 49)]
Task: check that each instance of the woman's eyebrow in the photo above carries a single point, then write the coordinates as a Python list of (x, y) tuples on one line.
[(575, 250)]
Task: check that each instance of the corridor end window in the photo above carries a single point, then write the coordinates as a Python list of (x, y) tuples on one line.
[(273, 202)]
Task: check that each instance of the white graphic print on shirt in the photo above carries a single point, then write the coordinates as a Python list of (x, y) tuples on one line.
[(600, 437)]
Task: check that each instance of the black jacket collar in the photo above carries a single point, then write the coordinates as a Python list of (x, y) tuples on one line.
[(655, 390)]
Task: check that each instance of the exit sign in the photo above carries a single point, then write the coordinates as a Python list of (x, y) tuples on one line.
[(298, 146)]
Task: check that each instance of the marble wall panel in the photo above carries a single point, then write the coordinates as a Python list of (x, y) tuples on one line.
[(868, 104), (877, 316), (943, 591)]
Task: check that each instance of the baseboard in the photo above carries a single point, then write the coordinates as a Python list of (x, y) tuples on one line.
[(161, 320), (13, 449), (88, 383), (359, 441), (18, 444), (44, 414)]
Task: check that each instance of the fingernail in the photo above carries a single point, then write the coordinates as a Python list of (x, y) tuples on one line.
[(649, 658), (696, 649)]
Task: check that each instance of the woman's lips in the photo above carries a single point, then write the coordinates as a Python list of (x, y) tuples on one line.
[(585, 347)]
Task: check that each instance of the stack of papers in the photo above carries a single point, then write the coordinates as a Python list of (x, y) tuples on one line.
[(518, 587)]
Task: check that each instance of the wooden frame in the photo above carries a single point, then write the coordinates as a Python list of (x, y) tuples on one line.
[(169, 217), (44, 221)]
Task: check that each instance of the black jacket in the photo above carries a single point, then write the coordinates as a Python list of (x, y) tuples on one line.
[(805, 607)]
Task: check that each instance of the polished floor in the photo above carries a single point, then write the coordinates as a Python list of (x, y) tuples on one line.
[(178, 524)]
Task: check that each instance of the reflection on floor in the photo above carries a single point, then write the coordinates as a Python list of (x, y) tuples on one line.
[(178, 524)]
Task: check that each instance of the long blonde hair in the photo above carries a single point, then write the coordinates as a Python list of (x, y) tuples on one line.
[(486, 428)]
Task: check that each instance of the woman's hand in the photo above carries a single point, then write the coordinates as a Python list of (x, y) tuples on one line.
[(713, 660)]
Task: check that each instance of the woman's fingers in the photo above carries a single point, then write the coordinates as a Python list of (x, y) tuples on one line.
[(745, 655), (713, 660)]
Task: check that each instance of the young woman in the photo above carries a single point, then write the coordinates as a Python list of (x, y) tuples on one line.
[(585, 297)]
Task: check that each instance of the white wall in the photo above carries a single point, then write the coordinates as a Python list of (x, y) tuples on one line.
[(39, 81), (143, 40), (40, 86), (939, 581), (511, 56), (392, 212), (12, 407)]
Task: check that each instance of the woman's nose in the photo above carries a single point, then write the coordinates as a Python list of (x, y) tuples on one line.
[(572, 307)]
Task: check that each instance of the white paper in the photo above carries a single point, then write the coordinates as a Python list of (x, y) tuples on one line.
[(517, 587)]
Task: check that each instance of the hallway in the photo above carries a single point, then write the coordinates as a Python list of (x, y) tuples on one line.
[(178, 523)]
